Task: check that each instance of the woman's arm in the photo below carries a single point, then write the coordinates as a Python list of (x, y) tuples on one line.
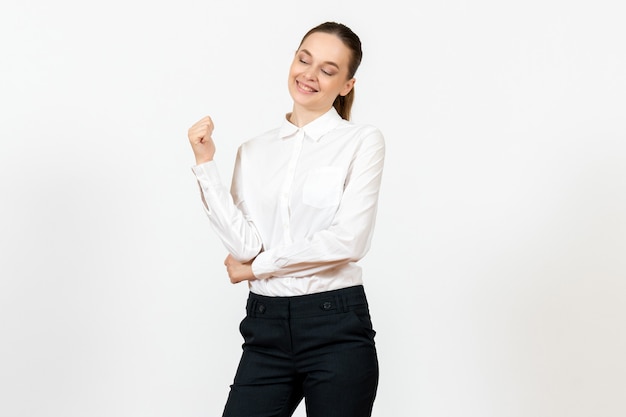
[(230, 222)]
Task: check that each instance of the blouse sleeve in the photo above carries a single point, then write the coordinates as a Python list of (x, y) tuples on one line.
[(229, 220)]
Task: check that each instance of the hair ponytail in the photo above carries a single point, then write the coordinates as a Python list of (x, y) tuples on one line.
[(343, 104)]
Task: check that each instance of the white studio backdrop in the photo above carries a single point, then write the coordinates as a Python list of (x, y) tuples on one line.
[(497, 274)]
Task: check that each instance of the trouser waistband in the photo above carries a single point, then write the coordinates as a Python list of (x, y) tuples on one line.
[(310, 305)]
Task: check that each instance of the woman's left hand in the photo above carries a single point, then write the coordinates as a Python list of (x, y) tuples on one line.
[(238, 271)]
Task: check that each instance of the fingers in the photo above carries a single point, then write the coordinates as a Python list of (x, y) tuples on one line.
[(200, 139), (201, 130), (237, 271), (206, 120), (228, 262)]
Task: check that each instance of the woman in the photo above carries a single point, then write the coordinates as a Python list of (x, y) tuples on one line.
[(299, 216)]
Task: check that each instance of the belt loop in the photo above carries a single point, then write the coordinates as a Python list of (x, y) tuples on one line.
[(253, 308), (342, 305)]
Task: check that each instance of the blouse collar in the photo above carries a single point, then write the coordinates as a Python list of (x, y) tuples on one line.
[(314, 129)]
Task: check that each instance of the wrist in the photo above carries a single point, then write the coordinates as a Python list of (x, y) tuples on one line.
[(203, 159)]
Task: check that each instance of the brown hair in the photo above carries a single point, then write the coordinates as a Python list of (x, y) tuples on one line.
[(343, 104)]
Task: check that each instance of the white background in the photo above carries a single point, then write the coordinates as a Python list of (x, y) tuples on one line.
[(497, 275)]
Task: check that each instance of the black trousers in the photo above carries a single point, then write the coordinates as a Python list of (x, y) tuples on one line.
[(319, 347)]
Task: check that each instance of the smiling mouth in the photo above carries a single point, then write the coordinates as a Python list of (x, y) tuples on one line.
[(305, 87)]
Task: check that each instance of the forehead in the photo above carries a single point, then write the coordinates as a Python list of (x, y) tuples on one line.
[(326, 47)]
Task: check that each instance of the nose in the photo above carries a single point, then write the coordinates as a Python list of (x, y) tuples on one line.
[(309, 74)]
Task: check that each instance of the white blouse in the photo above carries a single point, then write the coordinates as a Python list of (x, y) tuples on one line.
[(302, 204)]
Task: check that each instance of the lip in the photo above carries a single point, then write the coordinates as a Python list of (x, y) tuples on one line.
[(305, 88)]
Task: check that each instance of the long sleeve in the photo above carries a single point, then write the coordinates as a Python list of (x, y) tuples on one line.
[(230, 221)]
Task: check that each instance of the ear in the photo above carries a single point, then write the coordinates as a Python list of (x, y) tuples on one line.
[(347, 87)]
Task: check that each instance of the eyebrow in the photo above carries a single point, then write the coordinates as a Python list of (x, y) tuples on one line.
[(326, 62)]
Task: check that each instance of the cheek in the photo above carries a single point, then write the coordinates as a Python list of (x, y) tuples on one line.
[(293, 73), (295, 68), (333, 85)]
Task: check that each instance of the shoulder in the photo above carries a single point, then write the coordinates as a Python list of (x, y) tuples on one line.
[(361, 132), (262, 139)]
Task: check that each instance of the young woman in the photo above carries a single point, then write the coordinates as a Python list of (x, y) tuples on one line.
[(299, 216)]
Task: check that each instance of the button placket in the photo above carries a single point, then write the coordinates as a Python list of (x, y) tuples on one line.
[(287, 185)]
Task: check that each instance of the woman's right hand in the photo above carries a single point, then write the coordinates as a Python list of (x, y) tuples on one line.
[(200, 139)]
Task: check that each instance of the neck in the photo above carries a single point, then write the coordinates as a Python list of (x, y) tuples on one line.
[(301, 117)]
